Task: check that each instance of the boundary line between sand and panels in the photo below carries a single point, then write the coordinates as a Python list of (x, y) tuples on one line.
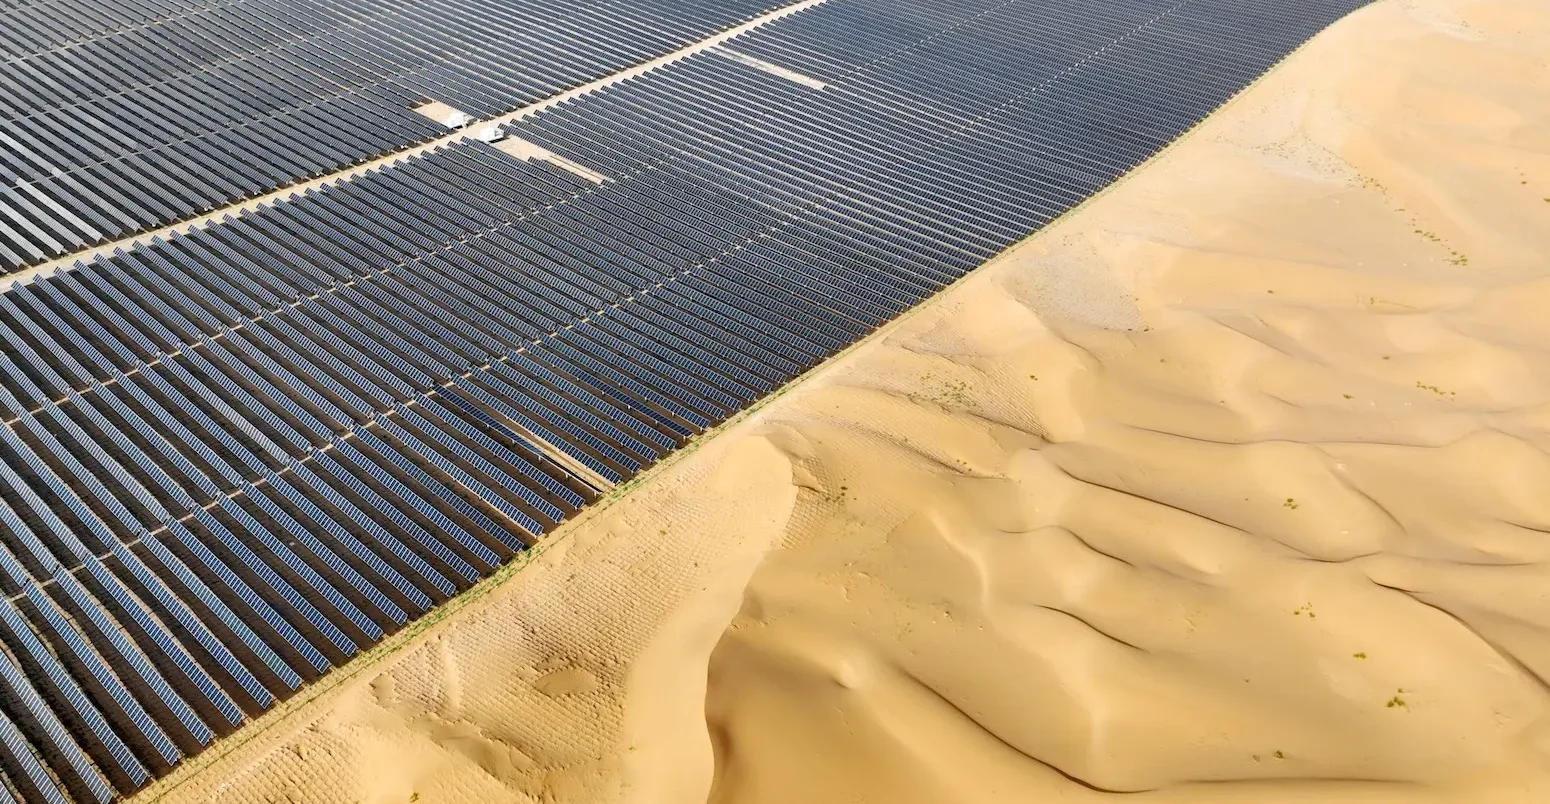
[(424, 626)]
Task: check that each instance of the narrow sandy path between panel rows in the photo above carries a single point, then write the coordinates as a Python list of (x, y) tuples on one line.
[(1232, 486)]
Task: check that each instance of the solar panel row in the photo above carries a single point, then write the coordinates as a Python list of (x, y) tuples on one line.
[(957, 134), (233, 458), (119, 118)]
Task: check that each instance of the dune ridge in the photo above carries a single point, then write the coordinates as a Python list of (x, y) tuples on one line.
[(1228, 487)]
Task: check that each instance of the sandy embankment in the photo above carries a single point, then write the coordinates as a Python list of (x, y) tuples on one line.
[(1232, 487)]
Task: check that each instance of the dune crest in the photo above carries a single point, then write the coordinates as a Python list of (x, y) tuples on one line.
[(1229, 487)]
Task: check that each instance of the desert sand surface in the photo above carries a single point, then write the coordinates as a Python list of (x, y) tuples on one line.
[(1231, 486)]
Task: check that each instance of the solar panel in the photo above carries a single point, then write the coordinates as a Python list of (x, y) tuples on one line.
[(112, 130)]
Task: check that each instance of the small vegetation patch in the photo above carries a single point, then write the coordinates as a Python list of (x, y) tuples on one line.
[(944, 392), (1371, 183), (1455, 257)]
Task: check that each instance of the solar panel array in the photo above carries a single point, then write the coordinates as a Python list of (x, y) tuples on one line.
[(235, 457), (120, 117)]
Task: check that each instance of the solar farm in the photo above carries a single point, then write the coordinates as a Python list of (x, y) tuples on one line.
[(238, 453)]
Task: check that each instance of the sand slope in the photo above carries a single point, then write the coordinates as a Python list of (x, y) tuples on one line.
[(1231, 487)]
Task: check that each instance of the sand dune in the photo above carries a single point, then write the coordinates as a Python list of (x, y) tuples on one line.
[(1229, 487)]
